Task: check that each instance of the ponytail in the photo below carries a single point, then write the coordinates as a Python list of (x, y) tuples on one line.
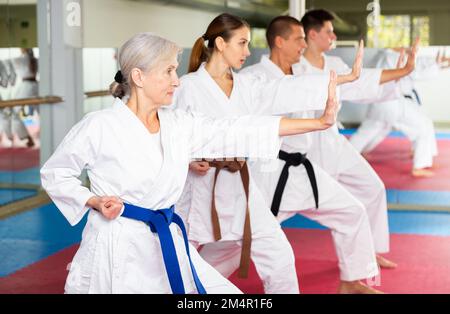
[(199, 54)]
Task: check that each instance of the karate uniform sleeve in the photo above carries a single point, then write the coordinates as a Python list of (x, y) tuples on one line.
[(236, 137), (285, 95), (366, 89), (60, 174), (426, 68), (245, 136)]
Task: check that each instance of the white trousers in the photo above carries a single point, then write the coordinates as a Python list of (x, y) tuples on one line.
[(123, 256), (338, 210), (211, 279), (271, 251), (272, 255), (334, 154), (10, 123)]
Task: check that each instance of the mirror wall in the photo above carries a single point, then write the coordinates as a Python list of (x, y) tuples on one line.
[(19, 79)]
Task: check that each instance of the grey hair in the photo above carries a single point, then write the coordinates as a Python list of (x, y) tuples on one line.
[(142, 51)]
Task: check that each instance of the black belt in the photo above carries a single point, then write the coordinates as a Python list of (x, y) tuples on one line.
[(409, 97), (293, 159), (29, 79), (414, 97)]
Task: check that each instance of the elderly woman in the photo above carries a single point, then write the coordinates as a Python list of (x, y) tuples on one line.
[(137, 157)]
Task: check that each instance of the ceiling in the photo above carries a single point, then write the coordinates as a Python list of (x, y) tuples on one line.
[(257, 12)]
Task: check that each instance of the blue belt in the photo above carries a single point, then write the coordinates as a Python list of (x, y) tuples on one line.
[(159, 221)]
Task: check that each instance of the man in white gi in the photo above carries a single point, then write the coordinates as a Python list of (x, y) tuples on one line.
[(24, 67), (332, 151)]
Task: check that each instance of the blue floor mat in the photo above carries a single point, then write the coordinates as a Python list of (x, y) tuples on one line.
[(29, 176), (396, 134), (34, 235), (400, 222), (426, 198), (8, 196)]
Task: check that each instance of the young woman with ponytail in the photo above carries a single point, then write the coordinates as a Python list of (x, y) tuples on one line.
[(224, 207)]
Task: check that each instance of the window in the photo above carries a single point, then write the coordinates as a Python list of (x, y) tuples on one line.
[(399, 31), (421, 28), (258, 38)]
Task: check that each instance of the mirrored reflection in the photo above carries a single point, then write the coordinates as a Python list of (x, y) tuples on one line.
[(19, 137), (99, 68), (19, 124)]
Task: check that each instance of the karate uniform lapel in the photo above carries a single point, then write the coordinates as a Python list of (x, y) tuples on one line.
[(225, 106), (164, 175), (166, 181), (274, 70)]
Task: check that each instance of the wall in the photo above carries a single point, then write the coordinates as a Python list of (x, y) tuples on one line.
[(108, 23), (440, 28), (17, 35)]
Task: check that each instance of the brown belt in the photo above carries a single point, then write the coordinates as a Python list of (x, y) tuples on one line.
[(234, 166)]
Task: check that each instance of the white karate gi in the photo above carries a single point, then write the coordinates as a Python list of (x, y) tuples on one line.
[(26, 88), (334, 153), (4, 77), (10, 117), (4, 80), (123, 159), (270, 250), (403, 114), (338, 209)]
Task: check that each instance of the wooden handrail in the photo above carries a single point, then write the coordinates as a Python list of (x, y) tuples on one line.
[(47, 99), (21, 186), (30, 101), (98, 93)]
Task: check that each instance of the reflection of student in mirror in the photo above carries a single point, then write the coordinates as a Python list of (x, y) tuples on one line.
[(4, 82), (25, 67), (4, 77)]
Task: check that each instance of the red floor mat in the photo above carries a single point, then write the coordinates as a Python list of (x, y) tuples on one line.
[(393, 163), (45, 277), (424, 264), (424, 267), (16, 159)]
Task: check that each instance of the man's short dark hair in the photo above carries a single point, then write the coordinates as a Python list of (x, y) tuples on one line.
[(280, 26), (315, 19)]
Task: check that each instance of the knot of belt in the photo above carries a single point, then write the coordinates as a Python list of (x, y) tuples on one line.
[(234, 166), (293, 159), (159, 222)]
